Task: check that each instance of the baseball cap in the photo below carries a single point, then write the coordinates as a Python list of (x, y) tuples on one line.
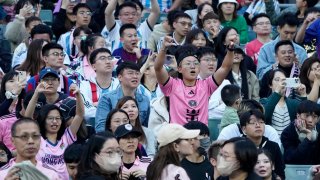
[(224, 1), (47, 71), (126, 129), (68, 108), (171, 132)]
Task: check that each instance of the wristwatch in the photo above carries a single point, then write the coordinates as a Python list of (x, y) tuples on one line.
[(10, 95)]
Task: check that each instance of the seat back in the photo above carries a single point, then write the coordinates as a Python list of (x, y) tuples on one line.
[(297, 172), (46, 17), (214, 126)]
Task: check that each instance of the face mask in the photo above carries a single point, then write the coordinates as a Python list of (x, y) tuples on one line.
[(205, 143), (109, 164), (226, 168)]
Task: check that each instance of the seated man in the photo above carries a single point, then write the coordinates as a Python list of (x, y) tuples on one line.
[(130, 50), (300, 138), (26, 138), (287, 28)]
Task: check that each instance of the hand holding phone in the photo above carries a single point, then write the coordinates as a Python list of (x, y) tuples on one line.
[(22, 76), (292, 82)]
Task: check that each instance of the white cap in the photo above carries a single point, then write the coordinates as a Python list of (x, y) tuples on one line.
[(171, 132), (231, 1)]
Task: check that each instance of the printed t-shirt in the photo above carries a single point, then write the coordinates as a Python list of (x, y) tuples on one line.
[(189, 103)]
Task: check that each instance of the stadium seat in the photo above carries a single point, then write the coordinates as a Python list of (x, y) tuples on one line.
[(46, 17), (214, 126), (297, 172)]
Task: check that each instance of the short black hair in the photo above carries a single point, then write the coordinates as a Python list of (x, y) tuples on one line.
[(31, 19), (127, 65), (256, 17), (126, 26), (282, 43), (78, 30), (22, 121), (210, 15), (308, 107), (94, 54), (127, 4), (311, 3), (249, 104), (73, 153), (205, 51), (289, 19), (46, 48), (230, 93), (204, 130), (171, 16), (181, 15), (245, 117), (312, 10), (78, 6), (41, 29), (138, 2)]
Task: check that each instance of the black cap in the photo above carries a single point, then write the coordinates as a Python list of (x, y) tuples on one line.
[(126, 129), (68, 108), (127, 65)]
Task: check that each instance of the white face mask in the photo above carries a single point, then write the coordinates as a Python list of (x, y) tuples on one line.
[(109, 164), (226, 168)]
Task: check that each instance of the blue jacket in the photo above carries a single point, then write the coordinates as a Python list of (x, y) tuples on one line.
[(109, 101)]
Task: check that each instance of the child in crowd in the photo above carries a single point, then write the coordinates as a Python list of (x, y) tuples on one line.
[(72, 156)]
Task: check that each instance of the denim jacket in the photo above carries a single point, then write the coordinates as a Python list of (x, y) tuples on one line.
[(109, 101)]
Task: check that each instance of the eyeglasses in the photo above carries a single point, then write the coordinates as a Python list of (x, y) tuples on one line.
[(52, 79), (185, 24), (26, 137), (51, 118), (189, 64), (83, 13), (62, 54), (263, 23), (111, 153), (105, 58), (260, 122)]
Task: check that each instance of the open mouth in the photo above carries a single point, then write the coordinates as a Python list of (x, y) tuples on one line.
[(262, 171)]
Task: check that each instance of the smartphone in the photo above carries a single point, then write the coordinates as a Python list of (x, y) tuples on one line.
[(22, 76), (169, 59), (292, 82)]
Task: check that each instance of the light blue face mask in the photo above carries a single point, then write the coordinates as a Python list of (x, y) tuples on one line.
[(205, 143)]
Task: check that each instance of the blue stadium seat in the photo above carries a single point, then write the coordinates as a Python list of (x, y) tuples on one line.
[(214, 127), (297, 172), (46, 17)]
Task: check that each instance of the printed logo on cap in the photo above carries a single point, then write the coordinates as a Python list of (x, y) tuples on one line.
[(128, 127)]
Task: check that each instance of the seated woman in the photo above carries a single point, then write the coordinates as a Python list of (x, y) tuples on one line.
[(134, 165), (265, 165), (5, 154), (279, 110), (237, 159), (198, 38), (202, 9), (116, 118)]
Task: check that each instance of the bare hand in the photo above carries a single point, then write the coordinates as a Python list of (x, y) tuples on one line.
[(13, 174), (137, 51), (301, 126), (302, 90), (138, 173), (280, 86), (125, 175), (24, 10), (168, 41), (42, 87), (151, 57), (315, 170), (74, 89), (309, 19), (20, 85)]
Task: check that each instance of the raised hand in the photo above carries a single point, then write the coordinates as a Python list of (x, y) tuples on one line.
[(74, 89)]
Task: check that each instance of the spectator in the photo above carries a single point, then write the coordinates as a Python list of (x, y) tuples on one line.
[(174, 144), (33, 63), (257, 7), (202, 10), (147, 138), (79, 34), (252, 124), (130, 50), (234, 130), (11, 98), (101, 158), (227, 11), (25, 134), (134, 165), (287, 63), (300, 138), (213, 157), (5, 154), (287, 28), (197, 164), (115, 118), (261, 25), (310, 77), (128, 15), (82, 13), (81, 68), (265, 165), (72, 157), (129, 76), (189, 109), (223, 38), (181, 27), (211, 26), (231, 97), (279, 111), (245, 79), (93, 88), (237, 158), (208, 62), (197, 37), (52, 55), (194, 13)]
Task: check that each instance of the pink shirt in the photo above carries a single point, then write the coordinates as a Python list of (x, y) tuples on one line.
[(253, 49), (88, 71), (189, 103), (51, 174), (5, 130), (142, 164), (52, 155), (173, 172)]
